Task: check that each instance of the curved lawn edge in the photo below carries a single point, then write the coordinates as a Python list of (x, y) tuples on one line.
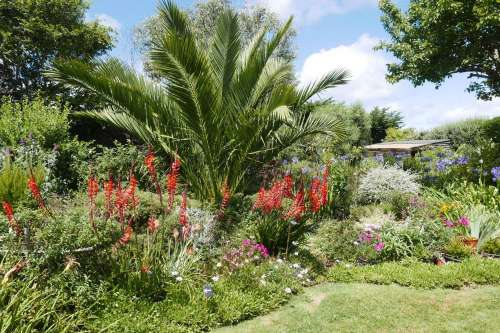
[(359, 307)]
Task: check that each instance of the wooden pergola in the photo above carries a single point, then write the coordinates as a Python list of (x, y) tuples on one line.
[(408, 147)]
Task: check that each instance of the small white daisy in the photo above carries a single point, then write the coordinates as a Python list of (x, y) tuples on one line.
[(175, 273), (178, 279), (296, 266), (219, 264), (215, 278), (288, 290)]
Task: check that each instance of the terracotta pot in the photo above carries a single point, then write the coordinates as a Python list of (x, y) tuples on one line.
[(471, 242)]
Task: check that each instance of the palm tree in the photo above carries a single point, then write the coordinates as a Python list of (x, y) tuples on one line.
[(224, 110)]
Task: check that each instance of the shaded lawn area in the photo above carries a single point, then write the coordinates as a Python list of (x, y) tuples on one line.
[(382, 308)]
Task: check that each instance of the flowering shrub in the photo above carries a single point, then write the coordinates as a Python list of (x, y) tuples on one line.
[(382, 183), (248, 252)]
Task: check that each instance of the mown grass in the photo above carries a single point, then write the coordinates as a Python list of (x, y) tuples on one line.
[(382, 308)]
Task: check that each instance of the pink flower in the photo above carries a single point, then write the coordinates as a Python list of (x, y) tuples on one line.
[(464, 221), (449, 223), (379, 246)]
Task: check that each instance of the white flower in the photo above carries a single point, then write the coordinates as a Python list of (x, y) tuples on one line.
[(288, 290), (279, 261), (263, 282), (295, 243), (481, 161), (215, 278), (178, 279), (296, 266), (348, 265), (292, 222), (219, 264), (175, 273), (355, 243), (295, 253), (300, 276), (305, 271)]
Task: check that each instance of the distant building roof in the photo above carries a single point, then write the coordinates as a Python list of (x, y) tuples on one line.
[(408, 146)]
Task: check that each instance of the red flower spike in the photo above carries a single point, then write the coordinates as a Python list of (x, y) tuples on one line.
[(314, 195), (9, 213), (172, 182), (130, 198), (226, 196), (35, 191), (127, 236), (153, 225), (108, 194), (324, 186), (149, 162), (183, 217), (288, 186), (92, 188), (120, 203), (298, 207)]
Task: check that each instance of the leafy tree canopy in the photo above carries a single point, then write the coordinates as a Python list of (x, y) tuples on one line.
[(435, 39), (381, 120), (204, 18), (33, 33)]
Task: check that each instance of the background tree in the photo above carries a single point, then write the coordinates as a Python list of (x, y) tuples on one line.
[(381, 120), (225, 109), (204, 18), (436, 39), (34, 33)]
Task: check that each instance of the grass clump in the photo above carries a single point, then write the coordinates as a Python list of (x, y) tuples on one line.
[(411, 273)]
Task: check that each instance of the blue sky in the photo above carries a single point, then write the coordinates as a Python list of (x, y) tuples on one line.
[(331, 34)]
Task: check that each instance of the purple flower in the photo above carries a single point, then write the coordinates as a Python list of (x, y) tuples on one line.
[(464, 221), (344, 157), (449, 223), (262, 249), (379, 246), (379, 158), (495, 172), (208, 291), (295, 160), (246, 242), (462, 160), (441, 165)]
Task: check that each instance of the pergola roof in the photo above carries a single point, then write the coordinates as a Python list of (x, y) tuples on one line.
[(406, 146)]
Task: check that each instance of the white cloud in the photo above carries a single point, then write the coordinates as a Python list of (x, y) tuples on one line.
[(366, 66), (309, 11), (428, 114), (109, 21), (422, 107)]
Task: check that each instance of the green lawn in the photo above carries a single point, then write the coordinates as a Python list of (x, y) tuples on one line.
[(382, 308)]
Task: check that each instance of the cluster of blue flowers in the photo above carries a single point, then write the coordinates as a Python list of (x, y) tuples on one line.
[(495, 172)]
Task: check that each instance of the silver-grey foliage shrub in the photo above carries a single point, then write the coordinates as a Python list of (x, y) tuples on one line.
[(382, 183)]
